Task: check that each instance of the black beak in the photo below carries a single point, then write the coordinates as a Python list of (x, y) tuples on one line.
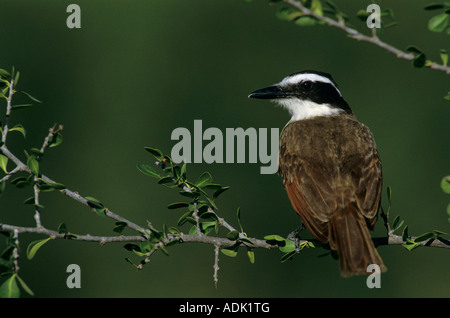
[(271, 92)]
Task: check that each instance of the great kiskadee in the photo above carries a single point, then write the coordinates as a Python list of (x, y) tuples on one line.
[(330, 167)]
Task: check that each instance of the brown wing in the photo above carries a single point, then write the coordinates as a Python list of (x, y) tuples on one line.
[(321, 176)]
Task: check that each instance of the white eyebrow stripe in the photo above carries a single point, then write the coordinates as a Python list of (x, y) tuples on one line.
[(295, 79)]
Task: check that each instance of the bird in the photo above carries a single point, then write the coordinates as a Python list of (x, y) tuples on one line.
[(330, 167)]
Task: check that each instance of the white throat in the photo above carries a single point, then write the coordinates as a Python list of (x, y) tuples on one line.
[(305, 109)]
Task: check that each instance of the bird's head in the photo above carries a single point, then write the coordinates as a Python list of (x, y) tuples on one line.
[(306, 94)]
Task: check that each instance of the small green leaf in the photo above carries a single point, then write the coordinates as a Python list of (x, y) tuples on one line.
[(420, 60), (439, 22), (444, 57), (251, 255), (413, 49), (120, 226), (289, 247), (230, 251), (148, 170), (233, 235), (204, 179), (288, 14), (424, 237), (445, 184), (405, 236), (34, 246), (33, 165), (155, 152), (410, 247), (20, 129), (177, 205), (287, 256), (306, 21), (447, 97), (94, 203), (2, 187), (238, 215), (9, 288), (3, 163), (274, 238), (62, 228), (165, 180), (31, 97), (21, 106), (56, 140), (100, 212), (29, 200), (434, 6), (220, 191), (131, 262), (24, 286)]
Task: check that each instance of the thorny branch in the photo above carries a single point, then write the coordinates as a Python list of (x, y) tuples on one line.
[(355, 34)]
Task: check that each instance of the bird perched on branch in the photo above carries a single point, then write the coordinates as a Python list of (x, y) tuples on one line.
[(330, 167)]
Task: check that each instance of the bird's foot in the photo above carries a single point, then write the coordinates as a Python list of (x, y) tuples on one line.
[(293, 236)]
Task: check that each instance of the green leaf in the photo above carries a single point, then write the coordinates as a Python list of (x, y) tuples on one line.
[(439, 22), (204, 180), (155, 152), (289, 247), (21, 106), (3, 163), (131, 262), (29, 200), (56, 140), (410, 247), (2, 187), (434, 6), (251, 255), (230, 251), (424, 237), (100, 212), (420, 60), (233, 235), (34, 246), (306, 21), (177, 205), (238, 216), (24, 286), (9, 288), (33, 165), (405, 236), (220, 191), (165, 180), (274, 238), (445, 184), (444, 56), (447, 97), (287, 256), (20, 129), (413, 49), (31, 97), (288, 14), (94, 203), (120, 226), (62, 228), (316, 7), (148, 170)]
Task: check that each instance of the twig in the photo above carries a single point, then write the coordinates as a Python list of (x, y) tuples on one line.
[(216, 264), (8, 111), (355, 34)]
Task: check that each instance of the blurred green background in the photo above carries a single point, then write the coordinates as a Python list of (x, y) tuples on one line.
[(138, 69)]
